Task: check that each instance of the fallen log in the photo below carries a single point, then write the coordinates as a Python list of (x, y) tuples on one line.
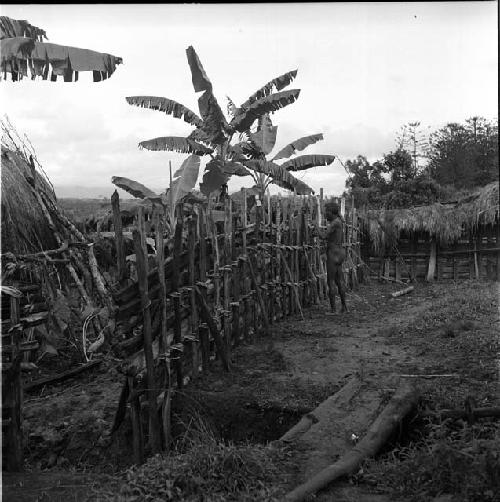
[(463, 414), (61, 376), (404, 399), (433, 375), (402, 292)]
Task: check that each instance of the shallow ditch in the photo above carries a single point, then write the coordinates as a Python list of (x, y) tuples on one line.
[(232, 418)]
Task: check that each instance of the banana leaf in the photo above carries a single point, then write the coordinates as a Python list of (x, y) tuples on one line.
[(307, 161), (278, 83), (169, 106), (213, 177), (272, 103), (184, 180), (200, 80), (265, 136), (20, 53), (175, 144), (279, 176), (136, 189), (214, 123), (297, 145), (10, 28)]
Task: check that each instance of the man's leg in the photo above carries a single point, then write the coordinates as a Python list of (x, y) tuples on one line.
[(330, 274), (339, 280)]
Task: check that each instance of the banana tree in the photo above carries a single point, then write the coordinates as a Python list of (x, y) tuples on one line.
[(181, 184), (253, 153), (23, 52), (213, 134)]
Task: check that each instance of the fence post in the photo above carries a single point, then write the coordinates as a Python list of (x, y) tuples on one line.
[(120, 249), (142, 276)]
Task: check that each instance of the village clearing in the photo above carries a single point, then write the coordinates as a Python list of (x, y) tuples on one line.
[(226, 446)]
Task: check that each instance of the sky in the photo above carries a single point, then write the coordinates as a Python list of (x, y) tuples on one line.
[(364, 70)]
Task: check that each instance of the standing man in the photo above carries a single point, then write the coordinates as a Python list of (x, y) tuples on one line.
[(335, 254)]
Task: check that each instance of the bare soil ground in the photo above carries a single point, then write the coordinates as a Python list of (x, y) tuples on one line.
[(440, 328)]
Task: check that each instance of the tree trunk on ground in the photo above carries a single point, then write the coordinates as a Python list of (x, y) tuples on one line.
[(404, 399)]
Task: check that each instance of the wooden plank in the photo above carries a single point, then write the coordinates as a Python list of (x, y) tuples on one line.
[(60, 377)]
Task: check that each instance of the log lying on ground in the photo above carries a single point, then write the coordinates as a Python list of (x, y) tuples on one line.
[(476, 413), (402, 402), (402, 292), (61, 376)]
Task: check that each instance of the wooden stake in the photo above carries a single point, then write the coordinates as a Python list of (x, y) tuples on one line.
[(176, 298), (135, 416), (205, 347), (160, 257), (258, 293), (120, 247), (432, 260), (207, 317), (294, 286), (142, 276)]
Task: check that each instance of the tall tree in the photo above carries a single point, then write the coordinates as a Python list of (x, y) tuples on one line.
[(465, 155), (414, 139)]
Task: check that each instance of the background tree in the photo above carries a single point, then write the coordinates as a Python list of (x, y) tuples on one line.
[(465, 155), (414, 139)]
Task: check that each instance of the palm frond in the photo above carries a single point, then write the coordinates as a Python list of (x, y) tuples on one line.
[(175, 144), (277, 83), (168, 106), (307, 161), (297, 146), (268, 104)]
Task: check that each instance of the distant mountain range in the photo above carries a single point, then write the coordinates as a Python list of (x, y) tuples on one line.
[(88, 192)]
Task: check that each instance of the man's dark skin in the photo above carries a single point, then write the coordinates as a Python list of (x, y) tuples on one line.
[(335, 255)]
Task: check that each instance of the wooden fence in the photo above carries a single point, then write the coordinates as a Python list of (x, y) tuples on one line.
[(232, 273), (420, 257)]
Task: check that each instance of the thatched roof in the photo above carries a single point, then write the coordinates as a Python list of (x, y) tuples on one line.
[(24, 228), (445, 222)]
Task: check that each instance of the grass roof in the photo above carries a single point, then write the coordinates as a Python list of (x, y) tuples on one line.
[(445, 222)]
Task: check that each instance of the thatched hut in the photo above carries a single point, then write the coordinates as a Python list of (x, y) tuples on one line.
[(454, 240), (24, 227)]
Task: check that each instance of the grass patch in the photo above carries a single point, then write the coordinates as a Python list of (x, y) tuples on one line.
[(202, 467), (452, 459)]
